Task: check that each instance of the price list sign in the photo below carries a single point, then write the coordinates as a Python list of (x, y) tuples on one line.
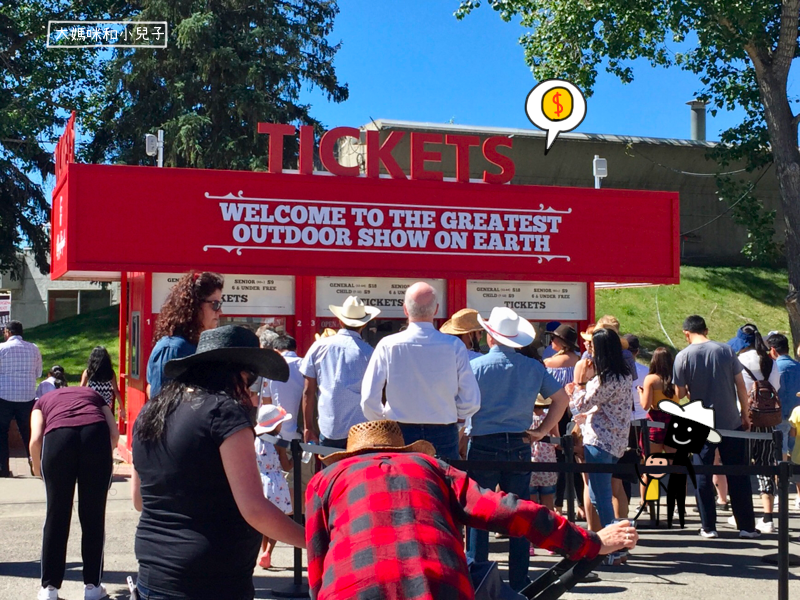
[(536, 301), (242, 295), (386, 294)]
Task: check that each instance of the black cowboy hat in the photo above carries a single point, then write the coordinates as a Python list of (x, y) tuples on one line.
[(568, 334), (231, 345)]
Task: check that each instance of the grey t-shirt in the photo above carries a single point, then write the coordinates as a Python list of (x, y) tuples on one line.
[(708, 371)]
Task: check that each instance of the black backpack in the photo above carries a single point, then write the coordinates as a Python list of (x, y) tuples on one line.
[(763, 403)]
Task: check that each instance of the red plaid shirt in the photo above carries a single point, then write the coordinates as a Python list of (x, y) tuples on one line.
[(385, 526)]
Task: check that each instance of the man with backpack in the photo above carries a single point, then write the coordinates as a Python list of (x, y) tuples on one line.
[(709, 371)]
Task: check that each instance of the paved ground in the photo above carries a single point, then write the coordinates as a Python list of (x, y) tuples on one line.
[(666, 565)]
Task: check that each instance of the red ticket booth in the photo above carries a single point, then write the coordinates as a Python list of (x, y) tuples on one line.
[(290, 244)]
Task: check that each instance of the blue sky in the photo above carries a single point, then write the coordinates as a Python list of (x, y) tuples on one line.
[(414, 61)]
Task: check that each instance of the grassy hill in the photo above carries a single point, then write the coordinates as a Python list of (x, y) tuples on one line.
[(726, 297), (69, 342)]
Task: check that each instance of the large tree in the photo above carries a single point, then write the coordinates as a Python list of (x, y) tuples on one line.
[(742, 51), (228, 65), (38, 88)]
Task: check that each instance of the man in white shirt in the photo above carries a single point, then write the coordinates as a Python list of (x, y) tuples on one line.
[(335, 367), (20, 367), (421, 378)]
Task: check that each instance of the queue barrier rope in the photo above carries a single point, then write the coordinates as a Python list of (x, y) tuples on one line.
[(782, 470)]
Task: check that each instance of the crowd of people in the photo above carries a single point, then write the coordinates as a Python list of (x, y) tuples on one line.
[(214, 497)]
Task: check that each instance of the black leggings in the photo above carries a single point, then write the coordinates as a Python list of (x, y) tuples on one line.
[(71, 454)]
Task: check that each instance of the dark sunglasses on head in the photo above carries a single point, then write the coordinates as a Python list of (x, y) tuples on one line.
[(216, 305)]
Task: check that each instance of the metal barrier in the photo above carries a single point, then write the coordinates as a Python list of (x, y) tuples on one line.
[(782, 470)]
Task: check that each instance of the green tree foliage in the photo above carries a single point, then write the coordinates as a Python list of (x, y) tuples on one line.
[(38, 88), (741, 50), (228, 65)]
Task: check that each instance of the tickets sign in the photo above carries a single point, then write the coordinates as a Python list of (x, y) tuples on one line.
[(386, 294), (536, 301), (172, 220), (242, 295)]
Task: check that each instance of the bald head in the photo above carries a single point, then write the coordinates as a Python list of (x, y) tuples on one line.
[(420, 303)]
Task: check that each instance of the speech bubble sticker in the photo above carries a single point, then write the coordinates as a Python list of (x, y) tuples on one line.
[(555, 105)]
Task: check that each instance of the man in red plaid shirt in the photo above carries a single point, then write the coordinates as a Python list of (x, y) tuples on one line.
[(383, 523)]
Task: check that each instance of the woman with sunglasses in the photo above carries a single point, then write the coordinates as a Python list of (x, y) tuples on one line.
[(194, 305), (195, 475)]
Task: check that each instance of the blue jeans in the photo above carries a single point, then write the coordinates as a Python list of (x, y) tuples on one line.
[(509, 447), (600, 483), (443, 437), (732, 451)]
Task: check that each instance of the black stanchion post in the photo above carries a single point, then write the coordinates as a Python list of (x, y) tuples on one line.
[(298, 589), (567, 444), (777, 446), (784, 474), (646, 437)]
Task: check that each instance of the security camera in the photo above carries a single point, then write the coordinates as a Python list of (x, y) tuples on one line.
[(150, 144)]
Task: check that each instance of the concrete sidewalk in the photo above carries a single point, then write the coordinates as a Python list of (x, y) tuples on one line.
[(666, 565)]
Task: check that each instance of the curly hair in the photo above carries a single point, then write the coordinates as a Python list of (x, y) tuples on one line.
[(182, 312)]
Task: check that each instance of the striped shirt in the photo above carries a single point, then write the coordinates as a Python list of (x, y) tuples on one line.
[(338, 364), (20, 367)]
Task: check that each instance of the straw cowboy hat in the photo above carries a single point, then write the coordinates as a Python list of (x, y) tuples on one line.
[(376, 436), (543, 402), (269, 417), (605, 323), (508, 328), (327, 332), (354, 313), (693, 411), (231, 345), (463, 321)]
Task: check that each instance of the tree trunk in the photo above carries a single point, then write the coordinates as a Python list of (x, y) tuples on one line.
[(783, 138)]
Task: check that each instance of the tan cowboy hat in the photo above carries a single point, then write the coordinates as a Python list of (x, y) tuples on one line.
[(543, 402), (587, 335), (375, 436), (508, 328), (354, 313), (463, 321), (327, 332)]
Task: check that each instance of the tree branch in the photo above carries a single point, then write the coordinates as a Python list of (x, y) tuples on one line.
[(787, 39)]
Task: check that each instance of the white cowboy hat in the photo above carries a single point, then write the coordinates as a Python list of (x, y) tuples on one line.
[(354, 312), (693, 411), (508, 328), (269, 417)]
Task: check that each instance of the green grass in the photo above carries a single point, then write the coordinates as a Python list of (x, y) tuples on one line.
[(69, 342), (726, 297)]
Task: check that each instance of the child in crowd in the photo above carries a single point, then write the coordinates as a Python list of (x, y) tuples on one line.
[(794, 421), (56, 378), (543, 485), (272, 461)]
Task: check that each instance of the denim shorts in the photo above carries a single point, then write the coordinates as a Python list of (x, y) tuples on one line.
[(542, 490)]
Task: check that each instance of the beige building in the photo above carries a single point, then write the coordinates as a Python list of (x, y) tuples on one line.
[(633, 163), (35, 299)]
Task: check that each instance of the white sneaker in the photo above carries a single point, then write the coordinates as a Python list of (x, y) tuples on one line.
[(732, 521), (749, 534), (48, 593), (765, 527), (91, 592), (709, 534)]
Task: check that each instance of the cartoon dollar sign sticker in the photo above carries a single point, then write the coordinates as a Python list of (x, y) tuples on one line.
[(555, 105)]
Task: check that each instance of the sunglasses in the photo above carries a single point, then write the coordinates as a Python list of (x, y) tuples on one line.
[(216, 305), (251, 379)]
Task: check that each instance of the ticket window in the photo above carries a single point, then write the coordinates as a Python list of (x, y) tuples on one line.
[(247, 300), (384, 293)]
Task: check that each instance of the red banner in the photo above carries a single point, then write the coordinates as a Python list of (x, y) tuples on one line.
[(169, 220)]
